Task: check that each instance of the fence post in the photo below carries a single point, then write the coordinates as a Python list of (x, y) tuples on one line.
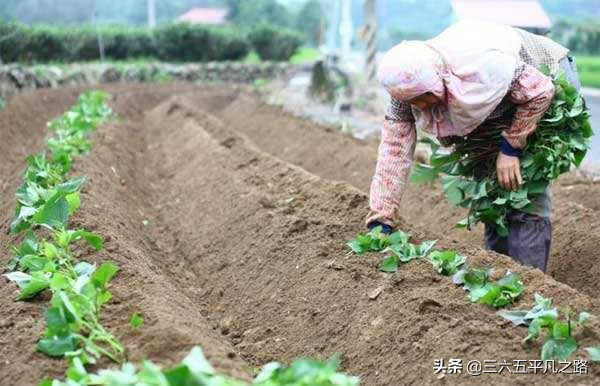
[(370, 38)]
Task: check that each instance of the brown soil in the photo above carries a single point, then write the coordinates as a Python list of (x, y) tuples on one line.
[(243, 253), (575, 257)]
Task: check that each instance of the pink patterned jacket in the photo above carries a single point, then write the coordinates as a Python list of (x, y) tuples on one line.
[(532, 93)]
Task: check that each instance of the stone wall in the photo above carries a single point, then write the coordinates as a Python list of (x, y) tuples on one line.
[(15, 77)]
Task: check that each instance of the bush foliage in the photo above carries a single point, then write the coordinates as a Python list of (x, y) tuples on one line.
[(175, 42), (273, 43)]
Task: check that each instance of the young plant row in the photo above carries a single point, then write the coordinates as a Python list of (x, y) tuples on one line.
[(469, 179), (542, 319), (195, 370), (45, 261), (45, 201)]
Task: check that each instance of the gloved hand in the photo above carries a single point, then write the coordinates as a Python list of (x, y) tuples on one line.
[(385, 228)]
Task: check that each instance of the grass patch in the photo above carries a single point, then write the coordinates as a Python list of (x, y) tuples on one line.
[(252, 58), (589, 70), (304, 55)]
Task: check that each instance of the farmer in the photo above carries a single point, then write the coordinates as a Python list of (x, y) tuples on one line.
[(472, 75)]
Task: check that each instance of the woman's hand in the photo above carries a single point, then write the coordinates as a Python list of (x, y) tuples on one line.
[(508, 169)]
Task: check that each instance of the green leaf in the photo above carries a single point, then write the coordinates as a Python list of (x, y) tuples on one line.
[(57, 346), (84, 268), (584, 317), (451, 188), (268, 372), (33, 263), (446, 262), (136, 321), (151, 375), (180, 375), (74, 202), (594, 353), (561, 330), (432, 142), (54, 213), (360, 244), (485, 294), (398, 237), (197, 363), (579, 156), (93, 239), (423, 173), (45, 382), (71, 186), (104, 274), (559, 349), (424, 248), (475, 277), (38, 282), (21, 221), (50, 250), (59, 282), (389, 264), (537, 187), (30, 285), (517, 317), (19, 278), (586, 129)]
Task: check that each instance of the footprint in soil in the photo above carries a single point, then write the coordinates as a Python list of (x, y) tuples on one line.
[(429, 305)]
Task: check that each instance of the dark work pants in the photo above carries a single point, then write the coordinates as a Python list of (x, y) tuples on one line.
[(528, 241), (529, 234)]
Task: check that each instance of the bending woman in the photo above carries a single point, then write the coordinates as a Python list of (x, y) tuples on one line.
[(472, 76)]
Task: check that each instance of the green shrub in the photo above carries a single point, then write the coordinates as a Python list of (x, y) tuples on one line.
[(195, 43), (45, 43), (125, 42), (585, 39), (12, 42), (273, 43), (177, 42)]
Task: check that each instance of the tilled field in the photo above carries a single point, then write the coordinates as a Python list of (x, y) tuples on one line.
[(243, 248)]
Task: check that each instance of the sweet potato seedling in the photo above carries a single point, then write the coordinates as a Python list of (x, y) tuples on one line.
[(543, 318), (497, 294), (375, 241), (195, 370), (136, 321), (593, 353), (446, 263), (47, 199), (404, 253)]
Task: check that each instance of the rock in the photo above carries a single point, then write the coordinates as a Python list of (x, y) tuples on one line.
[(374, 293)]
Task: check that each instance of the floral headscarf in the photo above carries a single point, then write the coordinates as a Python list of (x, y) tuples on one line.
[(469, 66)]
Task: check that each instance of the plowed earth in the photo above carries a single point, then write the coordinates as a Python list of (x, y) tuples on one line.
[(246, 212)]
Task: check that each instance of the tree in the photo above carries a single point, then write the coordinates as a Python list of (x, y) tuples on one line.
[(248, 14), (310, 20)]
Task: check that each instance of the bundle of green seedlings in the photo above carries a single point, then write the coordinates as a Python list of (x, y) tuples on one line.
[(468, 172), (195, 370), (45, 201)]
